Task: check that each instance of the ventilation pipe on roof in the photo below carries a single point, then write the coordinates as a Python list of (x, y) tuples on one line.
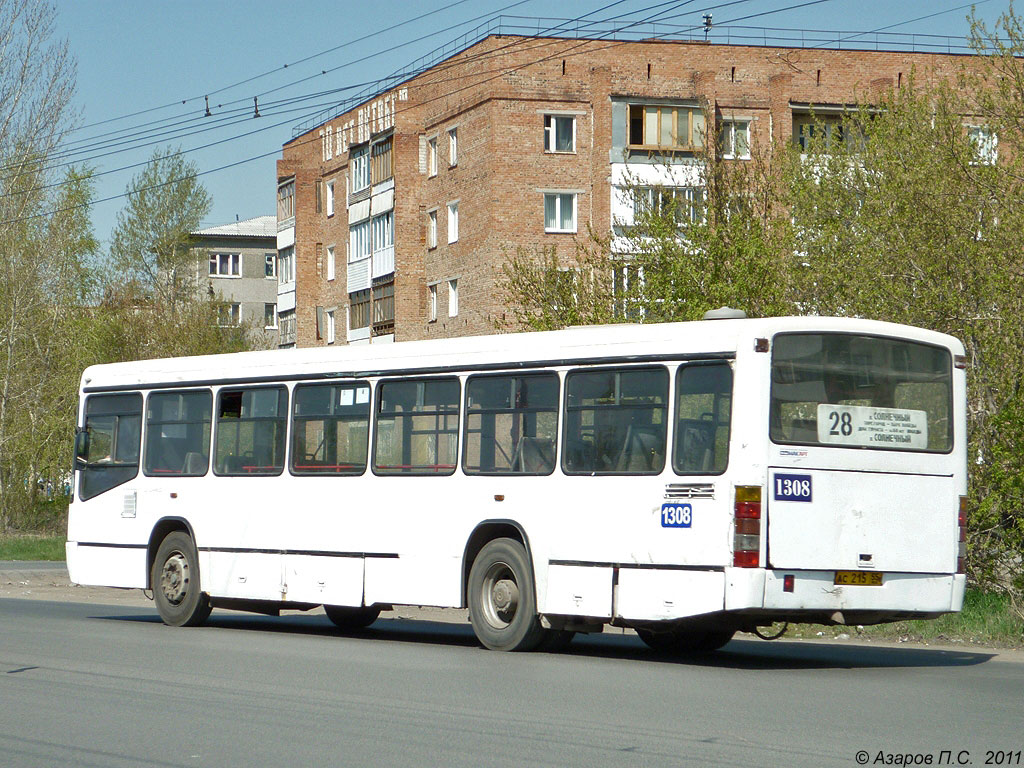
[(725, 313)]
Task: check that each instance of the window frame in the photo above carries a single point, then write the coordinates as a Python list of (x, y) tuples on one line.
[(330, 198), (432, 229), (453, 297), (692, 128), (453, 222), (359, 168), (557, 410), (378, 389), (353, 384), (432, 303), (267, 304), (675, 394), (432, 157), (453, 146), (270, 260), (234, 265), (284, 420), (558, 197), (146, 470), (727, 129), (551, 133), (564, 426)]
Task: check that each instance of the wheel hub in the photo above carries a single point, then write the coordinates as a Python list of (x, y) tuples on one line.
[(174, 578), (501, 596)]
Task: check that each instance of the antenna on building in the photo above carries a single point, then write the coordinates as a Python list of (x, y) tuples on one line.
[(707, 25), (255, 106), (207, 105)]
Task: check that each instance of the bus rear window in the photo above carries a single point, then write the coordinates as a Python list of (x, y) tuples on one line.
[(844, 390)]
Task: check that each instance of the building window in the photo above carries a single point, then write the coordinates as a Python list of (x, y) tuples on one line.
[(269, 315), (270, 265), (359, 241), (453, 221), (359, 312), (684, 204), (383, 231), (559, 133), (330, 198), (288, 328), (229, 314), (985, 144), (432, 309), (359, 168), (432, 157), (453, 297), (225, 265), (453, 147), (330, 326), (666, 128), (384, 308), (286, 200), (330, 262), (627, 288), (432, 229), (734, 139), (286, 265), (560, 212), (826, 130), (380, 161)]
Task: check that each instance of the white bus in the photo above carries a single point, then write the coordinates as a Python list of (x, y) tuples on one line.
[(687, 480)]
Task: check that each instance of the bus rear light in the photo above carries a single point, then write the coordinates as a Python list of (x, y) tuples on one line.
[(746, 540), (745, 558), (788, 582), (747, 526)]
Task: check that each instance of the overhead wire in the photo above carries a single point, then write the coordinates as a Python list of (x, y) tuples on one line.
[(659, 16)]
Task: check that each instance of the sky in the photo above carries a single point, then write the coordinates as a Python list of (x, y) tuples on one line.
[(145, 69)]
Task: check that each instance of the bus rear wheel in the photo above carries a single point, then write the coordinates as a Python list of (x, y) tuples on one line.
[(175, 582), (686, 641), (346, 617), (502, 605)]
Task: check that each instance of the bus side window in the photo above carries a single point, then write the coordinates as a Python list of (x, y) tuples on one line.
[(178, 433), (615, 421), (251, 426), (113, 424), (510, 425), (703, 410), (330, 429), (417, 427)]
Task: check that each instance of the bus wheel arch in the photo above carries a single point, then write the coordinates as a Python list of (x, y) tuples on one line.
[(484, 533)]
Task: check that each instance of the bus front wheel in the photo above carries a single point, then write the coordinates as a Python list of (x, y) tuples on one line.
[(175, 582), (502, 605)]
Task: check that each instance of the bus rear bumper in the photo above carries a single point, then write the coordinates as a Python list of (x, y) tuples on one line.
[(899, 593)]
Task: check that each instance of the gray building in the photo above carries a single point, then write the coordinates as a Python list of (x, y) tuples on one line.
[(238, 265)]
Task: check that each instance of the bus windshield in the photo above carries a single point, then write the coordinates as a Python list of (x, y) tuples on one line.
[(846, 390)]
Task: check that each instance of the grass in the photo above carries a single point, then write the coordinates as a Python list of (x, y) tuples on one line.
[(986, 619), (29, 547)]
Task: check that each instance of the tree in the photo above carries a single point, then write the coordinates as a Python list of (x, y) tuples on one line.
[(149, 248), (45, 239)]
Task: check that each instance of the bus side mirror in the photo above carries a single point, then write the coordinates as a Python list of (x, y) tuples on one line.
[(81, 447)]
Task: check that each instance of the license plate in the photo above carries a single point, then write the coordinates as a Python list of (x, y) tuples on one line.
[(858, 578)]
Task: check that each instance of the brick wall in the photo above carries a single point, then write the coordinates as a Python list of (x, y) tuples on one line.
[(496, 93)]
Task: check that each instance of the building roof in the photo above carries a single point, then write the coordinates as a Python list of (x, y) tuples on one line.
[(261, 226)]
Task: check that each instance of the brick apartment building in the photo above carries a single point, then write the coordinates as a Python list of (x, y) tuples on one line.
[(394, 217)]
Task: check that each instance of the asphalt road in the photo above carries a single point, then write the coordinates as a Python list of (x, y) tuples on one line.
[(109, 685)]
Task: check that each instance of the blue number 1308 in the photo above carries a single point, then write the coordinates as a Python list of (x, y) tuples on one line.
[(676, 515)]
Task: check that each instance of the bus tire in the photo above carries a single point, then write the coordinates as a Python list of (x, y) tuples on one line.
[(175, 582), (686, 642), (502, 605), (347, 617)]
